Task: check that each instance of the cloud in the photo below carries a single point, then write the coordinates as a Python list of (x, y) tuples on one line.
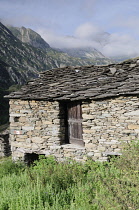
[(86, 35), (89, 35), (89, 6), (52, 19), (121, 45), (58, 41), (88, 31)]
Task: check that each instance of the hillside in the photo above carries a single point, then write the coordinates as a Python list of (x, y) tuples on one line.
[(88, 55), (26, 35), (84, 53), (10, 76), (29, 60)]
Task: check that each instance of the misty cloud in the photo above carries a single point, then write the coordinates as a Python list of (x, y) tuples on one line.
[(121, 45), (88, 35), (88, 31), (87, 20), (58, 41)]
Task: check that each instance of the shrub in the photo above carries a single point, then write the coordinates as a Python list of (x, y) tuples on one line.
[(69, 185), (7, 167)]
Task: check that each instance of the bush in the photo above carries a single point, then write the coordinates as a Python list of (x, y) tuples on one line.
[(8, 167), (70, 185)]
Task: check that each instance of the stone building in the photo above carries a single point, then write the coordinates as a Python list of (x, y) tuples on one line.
[(76, 112)]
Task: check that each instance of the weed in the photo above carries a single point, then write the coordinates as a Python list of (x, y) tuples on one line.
[(74, 186)]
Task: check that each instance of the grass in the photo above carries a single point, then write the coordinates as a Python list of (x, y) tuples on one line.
[(70, 185)]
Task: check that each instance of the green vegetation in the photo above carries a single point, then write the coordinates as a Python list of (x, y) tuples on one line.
[(14, 88), (69, 185)]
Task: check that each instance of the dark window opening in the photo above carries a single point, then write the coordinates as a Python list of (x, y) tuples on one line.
[(30, 158), (63, 116), (16, 119), (112, 157)]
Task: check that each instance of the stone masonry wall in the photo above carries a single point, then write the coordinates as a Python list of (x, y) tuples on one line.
[(109, 123), (38, 127), (34, 127)]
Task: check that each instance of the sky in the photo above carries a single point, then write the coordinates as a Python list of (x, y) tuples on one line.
[(110, 26)]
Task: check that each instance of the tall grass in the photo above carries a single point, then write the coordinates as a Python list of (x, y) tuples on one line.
[(70, 185)]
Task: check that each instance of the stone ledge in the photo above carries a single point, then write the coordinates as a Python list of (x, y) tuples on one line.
[(111, 153), (72, 146), (17, 115)]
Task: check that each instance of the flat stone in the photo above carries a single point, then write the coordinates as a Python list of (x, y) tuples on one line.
[(132, 65), (90, 154), (17, 115), (101, 148), (34, 146), (25, 111), (47, 122), (111, 153), (132, 113), (113, 70), (20, 144), (106, 115), (88, 131), (17, 132), (133, 126), (86, 116), (37, 140), (20, 139), (97, 154), (27, 128)]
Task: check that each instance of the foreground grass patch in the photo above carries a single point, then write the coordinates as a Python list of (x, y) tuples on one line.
[(51, 185)]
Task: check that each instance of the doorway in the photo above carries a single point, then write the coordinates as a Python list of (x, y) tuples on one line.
[(74, 122)]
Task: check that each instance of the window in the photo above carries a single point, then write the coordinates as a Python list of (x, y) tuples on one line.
[(16, 119)]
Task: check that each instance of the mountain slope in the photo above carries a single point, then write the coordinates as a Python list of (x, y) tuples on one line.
[(87, 54), (10, 76), (84, 53), (29, 60), (26, 35)]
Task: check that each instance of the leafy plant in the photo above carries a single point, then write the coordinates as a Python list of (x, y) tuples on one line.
[(48, 184)]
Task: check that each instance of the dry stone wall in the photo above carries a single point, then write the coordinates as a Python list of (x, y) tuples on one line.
[(38, 127), (34, 127), (107, 124)]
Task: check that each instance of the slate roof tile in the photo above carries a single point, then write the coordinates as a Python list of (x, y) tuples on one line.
[(88, 82)]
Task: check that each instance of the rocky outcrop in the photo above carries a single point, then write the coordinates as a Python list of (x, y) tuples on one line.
[(26, 35), (85, 53), (10, 76)]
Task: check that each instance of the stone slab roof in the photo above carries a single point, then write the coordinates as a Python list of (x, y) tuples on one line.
[(86, 82)]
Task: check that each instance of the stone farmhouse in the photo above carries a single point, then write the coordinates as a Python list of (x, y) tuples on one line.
[(76, 112)]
